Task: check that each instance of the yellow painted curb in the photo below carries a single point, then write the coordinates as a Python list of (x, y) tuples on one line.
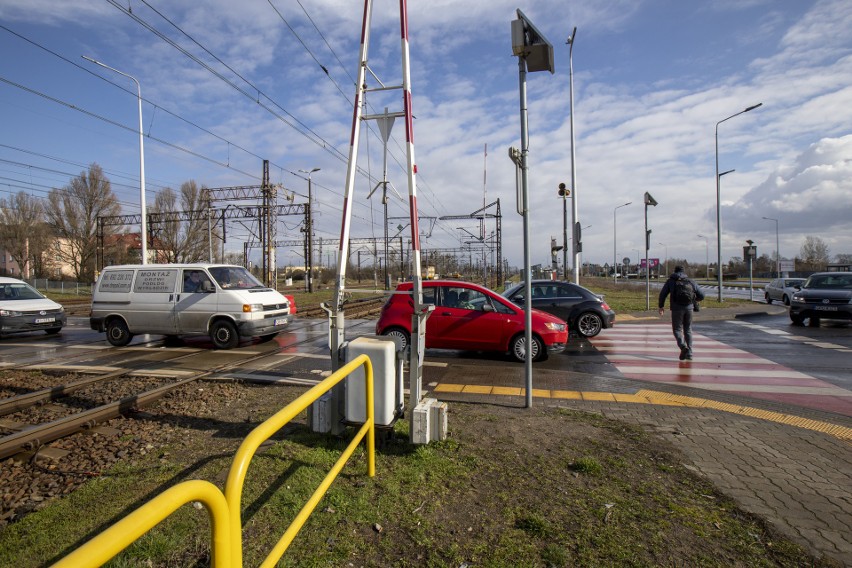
[(645, 396)]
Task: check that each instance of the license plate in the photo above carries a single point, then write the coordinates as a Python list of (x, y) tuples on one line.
[(826, 308), (45, 320), (280, 321)]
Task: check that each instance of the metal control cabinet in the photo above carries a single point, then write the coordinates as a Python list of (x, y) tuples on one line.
[(382, 352)]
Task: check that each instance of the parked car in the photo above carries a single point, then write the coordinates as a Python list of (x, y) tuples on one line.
[(584, 311), (23, 308), (471, 317), (824, 295), (782, 289)]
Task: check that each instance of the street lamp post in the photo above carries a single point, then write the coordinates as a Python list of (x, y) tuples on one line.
[(575, 220), (666, 264), (718, 200), (614, 241), (706, 253), (143, 228), (777, 249), (309, 259)]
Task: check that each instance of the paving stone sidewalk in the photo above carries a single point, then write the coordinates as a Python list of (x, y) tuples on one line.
[(799, 480)]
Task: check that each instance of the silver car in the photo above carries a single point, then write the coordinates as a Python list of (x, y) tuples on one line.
[(782, 289), (23, 308)]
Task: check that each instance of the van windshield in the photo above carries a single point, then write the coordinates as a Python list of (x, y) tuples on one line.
[(234, 278)]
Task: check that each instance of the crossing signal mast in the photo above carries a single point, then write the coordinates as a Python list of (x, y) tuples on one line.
[(337, 306)]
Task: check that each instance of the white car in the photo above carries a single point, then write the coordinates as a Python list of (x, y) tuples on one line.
[(23, 308), (782, 289)]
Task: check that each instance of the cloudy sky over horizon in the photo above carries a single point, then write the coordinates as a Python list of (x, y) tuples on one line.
[(227, 85)]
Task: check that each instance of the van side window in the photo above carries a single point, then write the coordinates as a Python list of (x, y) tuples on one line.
[(193, 279), (155, 280), (116, 281)]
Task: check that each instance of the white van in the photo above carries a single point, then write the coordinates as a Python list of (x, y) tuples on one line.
[(223, 301)]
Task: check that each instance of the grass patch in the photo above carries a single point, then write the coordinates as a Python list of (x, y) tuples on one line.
[(499, 492)]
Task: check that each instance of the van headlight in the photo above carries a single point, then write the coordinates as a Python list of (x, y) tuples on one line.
[(10, 314), (252, 308), (555, 326)]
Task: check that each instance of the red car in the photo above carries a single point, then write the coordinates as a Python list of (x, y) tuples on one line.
[(471, 317)]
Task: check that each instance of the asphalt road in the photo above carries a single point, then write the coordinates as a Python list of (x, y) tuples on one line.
[(759, 355)]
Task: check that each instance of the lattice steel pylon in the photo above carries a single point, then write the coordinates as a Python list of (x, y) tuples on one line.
[(336, 309)]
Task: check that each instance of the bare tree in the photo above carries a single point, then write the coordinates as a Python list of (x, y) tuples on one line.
[(72, 213), (814, 253), (23, 233), (182, 240)]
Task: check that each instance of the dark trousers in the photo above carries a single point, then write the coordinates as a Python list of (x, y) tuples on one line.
[(682, 327)]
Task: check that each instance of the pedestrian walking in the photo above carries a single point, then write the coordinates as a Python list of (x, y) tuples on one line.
[(685, 295)]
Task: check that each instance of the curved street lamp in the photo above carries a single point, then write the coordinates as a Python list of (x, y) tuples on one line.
[(706, 253), (144, 224), (666, 265), (777, 249), (615, 241), (575, 215), (718, 199)]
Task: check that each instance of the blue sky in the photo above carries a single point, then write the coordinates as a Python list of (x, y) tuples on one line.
[(651, 80)]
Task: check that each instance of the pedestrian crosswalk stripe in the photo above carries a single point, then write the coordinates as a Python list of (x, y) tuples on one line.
[(648, 352)]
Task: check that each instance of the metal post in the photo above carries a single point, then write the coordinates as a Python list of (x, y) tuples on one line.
[(522, 85), (309, 259), (706, 254), (144, 223), (719, 202), (614, 241), (777, 249), (577, 245)]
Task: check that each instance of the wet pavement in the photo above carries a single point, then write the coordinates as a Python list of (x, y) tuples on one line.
[(790, 464)]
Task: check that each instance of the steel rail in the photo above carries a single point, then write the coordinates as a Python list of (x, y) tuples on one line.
[(35, 437), (24, 401)]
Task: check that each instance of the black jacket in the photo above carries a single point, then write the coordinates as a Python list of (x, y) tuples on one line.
[(669, 287)]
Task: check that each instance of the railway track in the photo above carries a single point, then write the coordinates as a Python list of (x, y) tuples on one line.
[(31, 437), (357, 308)]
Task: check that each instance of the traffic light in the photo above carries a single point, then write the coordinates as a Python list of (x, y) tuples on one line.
[(564, 191)]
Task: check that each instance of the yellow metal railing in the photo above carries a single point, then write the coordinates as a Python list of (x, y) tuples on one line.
[(225, 509), (237, 473), (120, 535)]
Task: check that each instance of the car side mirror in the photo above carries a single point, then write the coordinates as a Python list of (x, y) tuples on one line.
[(487, 308), (518, 300), (797, 286), (207, 286)]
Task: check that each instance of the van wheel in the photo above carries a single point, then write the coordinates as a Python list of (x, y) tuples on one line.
[(224, 335), (519, 351), (117, 333)]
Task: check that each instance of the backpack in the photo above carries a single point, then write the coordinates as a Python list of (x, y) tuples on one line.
[(684, 293)]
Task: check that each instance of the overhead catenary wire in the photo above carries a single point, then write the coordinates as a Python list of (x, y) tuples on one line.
[(428, 194)]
